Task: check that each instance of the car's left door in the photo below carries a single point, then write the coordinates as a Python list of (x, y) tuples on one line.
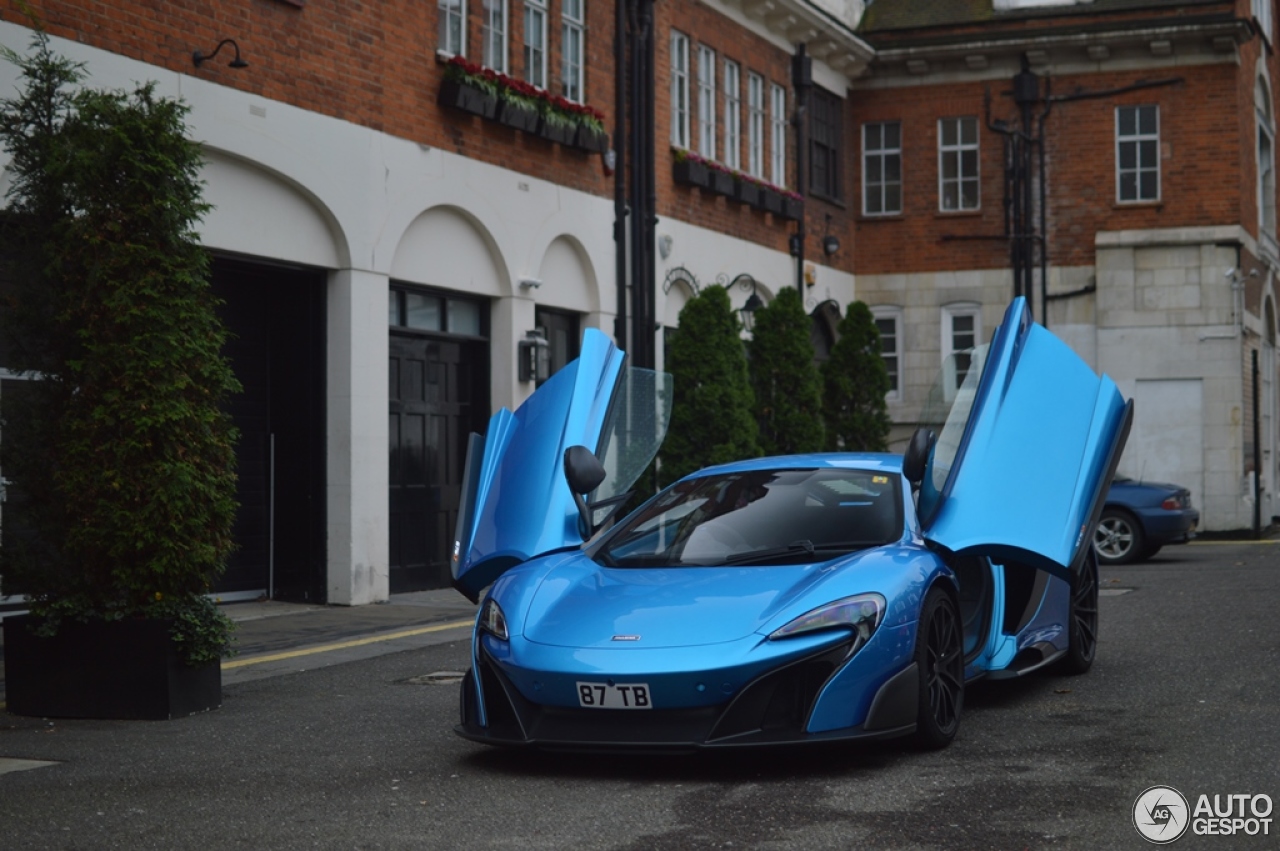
[(1021, 468)]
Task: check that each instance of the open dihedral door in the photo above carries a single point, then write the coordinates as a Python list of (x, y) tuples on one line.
[(516, 503), (1022, 466)]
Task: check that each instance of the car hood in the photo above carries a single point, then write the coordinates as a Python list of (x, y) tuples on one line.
[(578, 603)]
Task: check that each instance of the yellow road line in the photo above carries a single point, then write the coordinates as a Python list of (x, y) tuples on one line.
[(342, 645), (1231, 543)]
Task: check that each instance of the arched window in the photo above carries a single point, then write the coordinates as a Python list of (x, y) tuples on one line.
[(1266, 159)]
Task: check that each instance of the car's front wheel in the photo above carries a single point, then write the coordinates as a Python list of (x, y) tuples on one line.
[(1083, 624), (940, 662), (1118, 538)]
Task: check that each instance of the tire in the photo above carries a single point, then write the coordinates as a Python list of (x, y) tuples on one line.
[(1118, 538), (939, 658), (1082, 619)]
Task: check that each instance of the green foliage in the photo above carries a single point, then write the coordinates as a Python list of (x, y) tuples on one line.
[(121, 454), (711, 421), (788, 392), (855, 382)]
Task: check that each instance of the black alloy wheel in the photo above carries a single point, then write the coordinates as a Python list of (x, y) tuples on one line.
[(1118, 539), (940, 661), (1083, 615)]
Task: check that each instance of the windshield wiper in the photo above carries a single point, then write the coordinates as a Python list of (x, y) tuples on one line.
[(772, 552)]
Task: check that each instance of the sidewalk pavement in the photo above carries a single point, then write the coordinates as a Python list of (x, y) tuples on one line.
[(274, 638)]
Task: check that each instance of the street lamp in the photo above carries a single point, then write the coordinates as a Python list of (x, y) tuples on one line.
[(754, 302)]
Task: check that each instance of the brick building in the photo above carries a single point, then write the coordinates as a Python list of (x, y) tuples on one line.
[(1150, 133), (382, 256)]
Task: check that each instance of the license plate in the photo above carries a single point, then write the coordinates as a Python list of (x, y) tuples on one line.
[(619, 696)]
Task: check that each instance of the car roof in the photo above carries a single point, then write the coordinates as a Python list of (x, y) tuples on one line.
[(879, 461)]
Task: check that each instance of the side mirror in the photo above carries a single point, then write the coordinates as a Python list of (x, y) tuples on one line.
[(916, 458), (584, 472)]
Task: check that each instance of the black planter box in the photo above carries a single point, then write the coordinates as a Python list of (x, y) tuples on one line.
[(747, 193), (691, 173), (518, 116), (770, 201), (556, 132), (468, 99), (125, 669), (792, 208), (723, 183), (591, 139)]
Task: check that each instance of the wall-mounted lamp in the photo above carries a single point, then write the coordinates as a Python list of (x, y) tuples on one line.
[(748, 311), (830, 243), (198, 57), (530, 283), (535, 356)]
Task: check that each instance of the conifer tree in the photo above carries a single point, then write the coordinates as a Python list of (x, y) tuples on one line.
[(121, 455), (788, 391), (711, 419), (855, 381)]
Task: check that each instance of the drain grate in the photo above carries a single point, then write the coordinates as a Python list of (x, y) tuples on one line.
[(437, 678)]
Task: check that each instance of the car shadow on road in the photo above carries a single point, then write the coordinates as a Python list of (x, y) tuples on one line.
[(834, 759)]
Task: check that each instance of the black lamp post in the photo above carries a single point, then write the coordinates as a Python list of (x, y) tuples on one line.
[(801, 81)]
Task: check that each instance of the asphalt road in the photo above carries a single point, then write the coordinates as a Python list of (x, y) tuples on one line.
[(1185, 693)]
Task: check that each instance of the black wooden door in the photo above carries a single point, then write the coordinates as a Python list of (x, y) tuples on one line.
[(437, 397), (275, 317)]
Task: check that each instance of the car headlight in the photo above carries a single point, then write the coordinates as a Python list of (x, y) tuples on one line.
[(492, 620), (862, 614)]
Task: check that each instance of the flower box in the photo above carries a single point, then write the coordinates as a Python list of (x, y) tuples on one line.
[(723, 183), (518, 116), (792, 208), (556, 131), (459, 95), (124, 669), (592, 139), (747, 192), (770, 200), (692, 173)]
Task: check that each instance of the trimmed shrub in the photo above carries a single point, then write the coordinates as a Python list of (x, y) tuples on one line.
[(788, 392), (855, 381)]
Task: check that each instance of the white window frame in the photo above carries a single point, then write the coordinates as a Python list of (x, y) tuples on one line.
[(954, 153), (451, 13), (732, 114), (1138, 140), (778, 135), (1262, 12), (891, 314), (679, 89), (881, 154), (755, 125), (1266, 179), (953, 377), (535, 50), (493, 34), (573, 49), (706, 102)]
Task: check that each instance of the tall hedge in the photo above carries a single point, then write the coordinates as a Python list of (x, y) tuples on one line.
[(855, 381), (711, 418), (121, 452), (788, 391)]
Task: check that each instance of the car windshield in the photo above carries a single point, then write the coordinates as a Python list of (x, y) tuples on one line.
[(759, 517)]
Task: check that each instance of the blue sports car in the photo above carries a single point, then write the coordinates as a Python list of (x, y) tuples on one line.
[(780, 600)]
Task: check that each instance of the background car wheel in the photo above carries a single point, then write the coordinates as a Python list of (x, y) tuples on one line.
[(1083, 620), (940, 662), (1118, 538)]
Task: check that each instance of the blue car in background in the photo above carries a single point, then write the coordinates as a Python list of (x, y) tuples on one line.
[(784, 600), (1141, 517)]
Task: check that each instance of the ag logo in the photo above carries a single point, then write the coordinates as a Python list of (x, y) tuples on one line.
[(1160, 814)]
